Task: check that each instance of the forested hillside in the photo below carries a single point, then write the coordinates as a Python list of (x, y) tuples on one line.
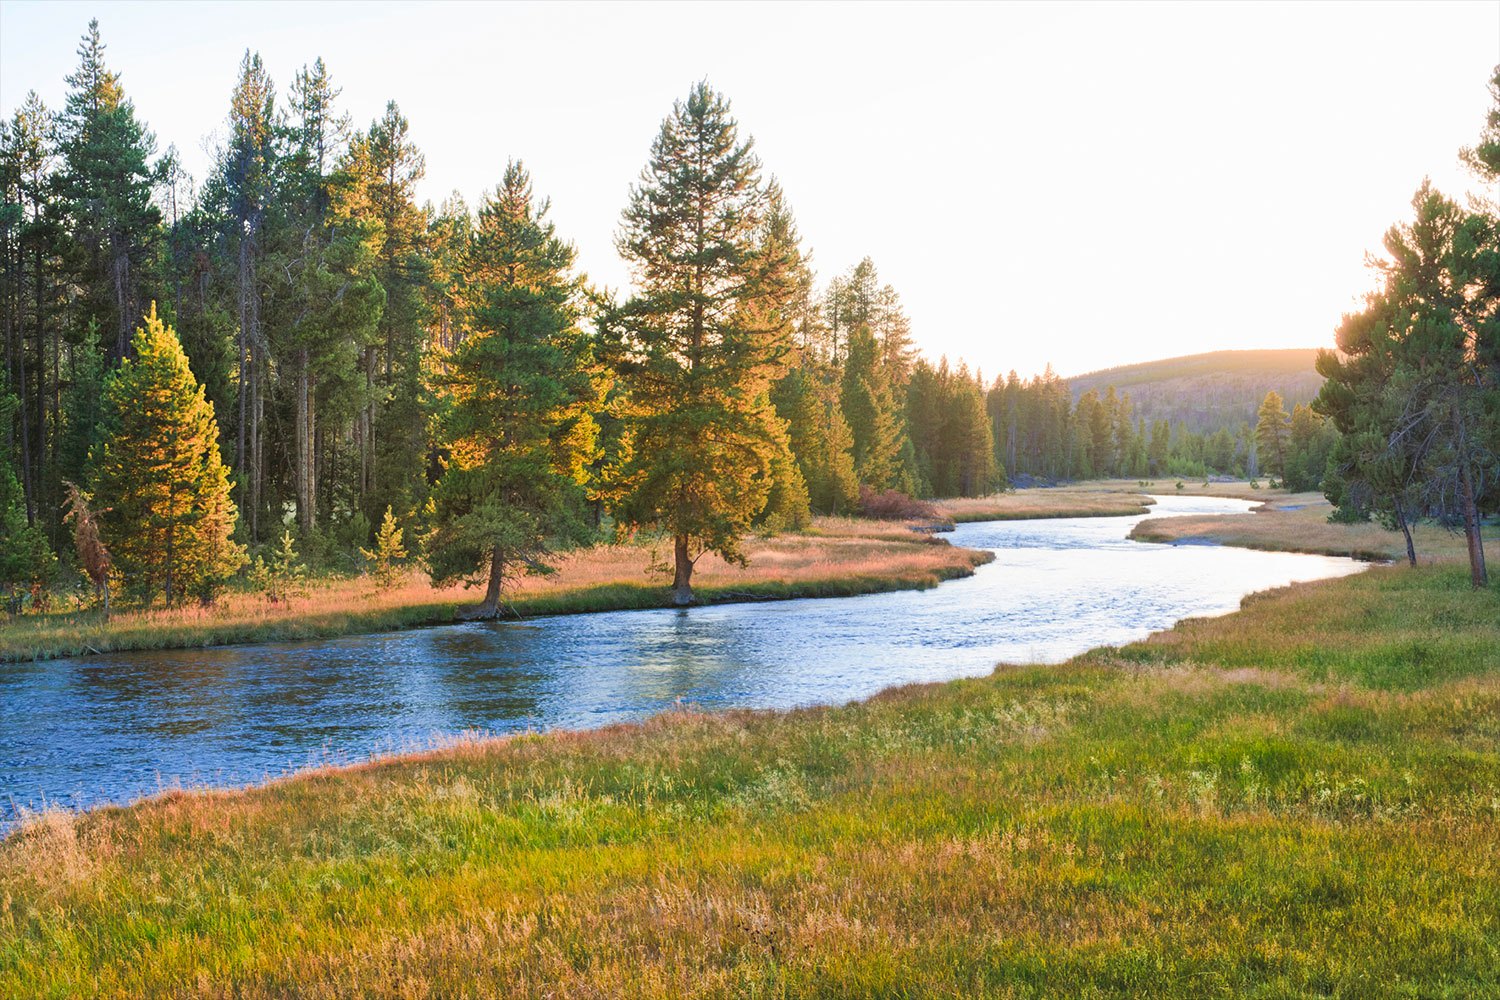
[(1206, 392)]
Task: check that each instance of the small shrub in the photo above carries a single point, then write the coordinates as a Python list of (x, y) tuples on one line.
[(283, 575), (1255, 484), (1179, 484), (893, 505), (385, 561)]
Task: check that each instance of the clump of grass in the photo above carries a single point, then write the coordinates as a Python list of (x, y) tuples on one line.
[(1302, 798)]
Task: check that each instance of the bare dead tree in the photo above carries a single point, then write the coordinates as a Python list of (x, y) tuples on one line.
[(91, 550)]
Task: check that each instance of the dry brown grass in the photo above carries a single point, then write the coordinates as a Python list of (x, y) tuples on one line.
[(1093, 498), (1299, 523), (836, 557), (1048, 502)]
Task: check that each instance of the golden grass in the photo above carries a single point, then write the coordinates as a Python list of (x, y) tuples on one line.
[(836, 557), (1299, 523), (1093, 498), (1086, 500)]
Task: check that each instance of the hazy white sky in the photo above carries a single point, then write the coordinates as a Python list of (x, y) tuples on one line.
[(1086, 185)]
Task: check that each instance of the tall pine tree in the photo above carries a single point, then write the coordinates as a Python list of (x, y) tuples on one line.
[(520, 431), (1272, 433), (157, 473), (699, 346)]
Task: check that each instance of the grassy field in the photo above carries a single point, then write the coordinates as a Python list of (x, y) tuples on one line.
[(1299, 523), (836, 557), (1092, 498), (1087, 500), (1300, 799)]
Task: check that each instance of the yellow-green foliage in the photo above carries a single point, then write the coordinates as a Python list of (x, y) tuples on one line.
[(1299, 800), (385, 562), (159, 484)]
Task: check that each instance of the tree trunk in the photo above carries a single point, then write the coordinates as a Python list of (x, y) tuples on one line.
[(1405, 526), (682, 580), (240, 386), (28, 489), (304, 447), (1478, 575), (489, 608), (365, 430), (39, 481), (120, 273), (257, 409)]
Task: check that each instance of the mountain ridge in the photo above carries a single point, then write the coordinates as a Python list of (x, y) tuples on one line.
[(1211, 390)]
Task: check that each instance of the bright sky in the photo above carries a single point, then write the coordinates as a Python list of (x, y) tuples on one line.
[(1087, 185)]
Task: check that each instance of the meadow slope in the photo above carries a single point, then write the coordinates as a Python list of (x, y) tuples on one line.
[(1299, 799)]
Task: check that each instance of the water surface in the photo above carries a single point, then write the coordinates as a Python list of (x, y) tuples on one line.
[(82, 731)]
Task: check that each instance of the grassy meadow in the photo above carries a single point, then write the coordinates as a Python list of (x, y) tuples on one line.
[(1300, 799), (1092, 498), (1106, 500), (835, 557), (1298, 522)]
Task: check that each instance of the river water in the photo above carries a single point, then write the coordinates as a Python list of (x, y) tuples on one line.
[(111, 728)]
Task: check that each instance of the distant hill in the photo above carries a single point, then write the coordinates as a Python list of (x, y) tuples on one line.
[(1209, 391)]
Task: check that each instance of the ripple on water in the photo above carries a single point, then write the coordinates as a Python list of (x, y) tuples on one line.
[(111, 728)]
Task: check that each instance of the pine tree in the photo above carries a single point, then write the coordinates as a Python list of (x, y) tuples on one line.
[(1158, 451), (972, 438), (25, 559), (385, 561), (1369, 472), (336, 301), (784, 278), (699, 346), (1312, 439), (378, 184), (1272, 428), (807, 400), (157, 471), (82, 401), (34, 297), (875, 422), (521, 389), (106, 185), (246, 174)]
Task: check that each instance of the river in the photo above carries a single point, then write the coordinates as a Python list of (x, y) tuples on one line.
[(110, 728)]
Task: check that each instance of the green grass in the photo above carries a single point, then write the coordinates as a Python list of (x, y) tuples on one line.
[(1301, 799)]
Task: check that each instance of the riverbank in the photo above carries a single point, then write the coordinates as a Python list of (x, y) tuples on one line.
[(836, 557), (1299, 523), (1299, 798), (1046, 502), (1093, 498)]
